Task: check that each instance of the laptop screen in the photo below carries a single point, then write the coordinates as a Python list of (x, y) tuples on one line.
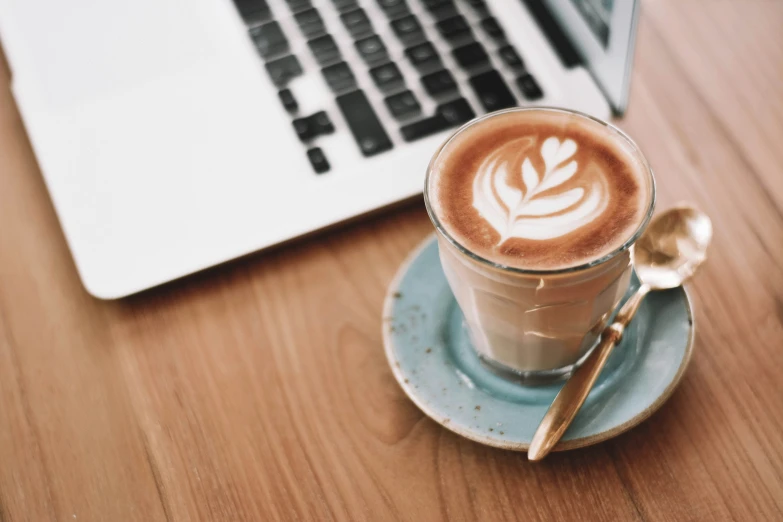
[(603, 31), (597, 14)]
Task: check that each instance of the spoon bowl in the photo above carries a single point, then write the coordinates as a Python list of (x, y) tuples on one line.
[(672, 248)]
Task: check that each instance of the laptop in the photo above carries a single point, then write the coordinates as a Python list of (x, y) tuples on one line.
[(174, 135)]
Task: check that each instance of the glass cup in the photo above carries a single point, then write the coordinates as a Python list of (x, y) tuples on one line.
[(535, 326)]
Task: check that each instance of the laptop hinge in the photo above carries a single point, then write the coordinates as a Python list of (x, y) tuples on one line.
[(565, 50)]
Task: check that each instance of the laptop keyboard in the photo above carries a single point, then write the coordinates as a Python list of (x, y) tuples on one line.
[(415, 23)]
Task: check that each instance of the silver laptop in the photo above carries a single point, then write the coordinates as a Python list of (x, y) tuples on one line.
[(174, 135)]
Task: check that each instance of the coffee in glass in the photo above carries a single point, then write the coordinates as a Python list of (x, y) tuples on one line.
[(536, 211)]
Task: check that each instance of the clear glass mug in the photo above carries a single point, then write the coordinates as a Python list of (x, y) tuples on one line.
[(536, 325)]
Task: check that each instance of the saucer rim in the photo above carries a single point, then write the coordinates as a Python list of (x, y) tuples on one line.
[(581, 442)]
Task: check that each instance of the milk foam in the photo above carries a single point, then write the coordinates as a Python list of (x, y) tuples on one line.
[(540, 189), (547, 206)]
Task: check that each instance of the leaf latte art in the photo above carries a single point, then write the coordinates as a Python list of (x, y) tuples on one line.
[(539, 189), (521, 201)]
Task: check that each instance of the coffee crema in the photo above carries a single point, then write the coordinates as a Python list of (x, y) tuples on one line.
[(539, 189)]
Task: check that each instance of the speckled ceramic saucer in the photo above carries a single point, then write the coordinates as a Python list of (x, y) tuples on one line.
[(432, 359)]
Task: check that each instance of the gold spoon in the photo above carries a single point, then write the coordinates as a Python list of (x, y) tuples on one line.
[(665, 256)]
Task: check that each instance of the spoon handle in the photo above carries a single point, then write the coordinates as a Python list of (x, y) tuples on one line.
[(574, 392)]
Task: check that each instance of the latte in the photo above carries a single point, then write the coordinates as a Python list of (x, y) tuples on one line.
[(539, 189), (519, 196)]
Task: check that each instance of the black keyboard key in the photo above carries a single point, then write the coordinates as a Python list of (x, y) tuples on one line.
[(345, 5), (288, 100), (440, 9), (492, 28), (471, 56), (324, 49), (529, 87), (479, 7), (439, 83), (283, 69), (393, 8), (298, 5), (364, 124), (372, 49), (423, 128), (322, 124), (454, 28), (456, 112), (304, 129), (254, 11), (408, 29), (269, 39), (448, 115), (339, 77), (356, 22), (403, 105), (310, 127), (424, 57), (492, 91), (511, 58), (318, 160), (310, 22), (387, 77)]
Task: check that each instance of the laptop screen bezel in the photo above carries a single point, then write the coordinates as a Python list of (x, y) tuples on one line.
[(610, 66)]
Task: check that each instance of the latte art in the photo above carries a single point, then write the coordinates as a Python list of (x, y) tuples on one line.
[(548, 204), (539, 189)]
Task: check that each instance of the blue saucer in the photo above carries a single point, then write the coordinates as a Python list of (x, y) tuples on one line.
[(432, 359)]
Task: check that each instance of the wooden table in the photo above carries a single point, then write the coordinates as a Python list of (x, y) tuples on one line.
[(260, 391)]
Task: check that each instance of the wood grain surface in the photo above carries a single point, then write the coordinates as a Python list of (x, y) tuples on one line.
[(259, 390)]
